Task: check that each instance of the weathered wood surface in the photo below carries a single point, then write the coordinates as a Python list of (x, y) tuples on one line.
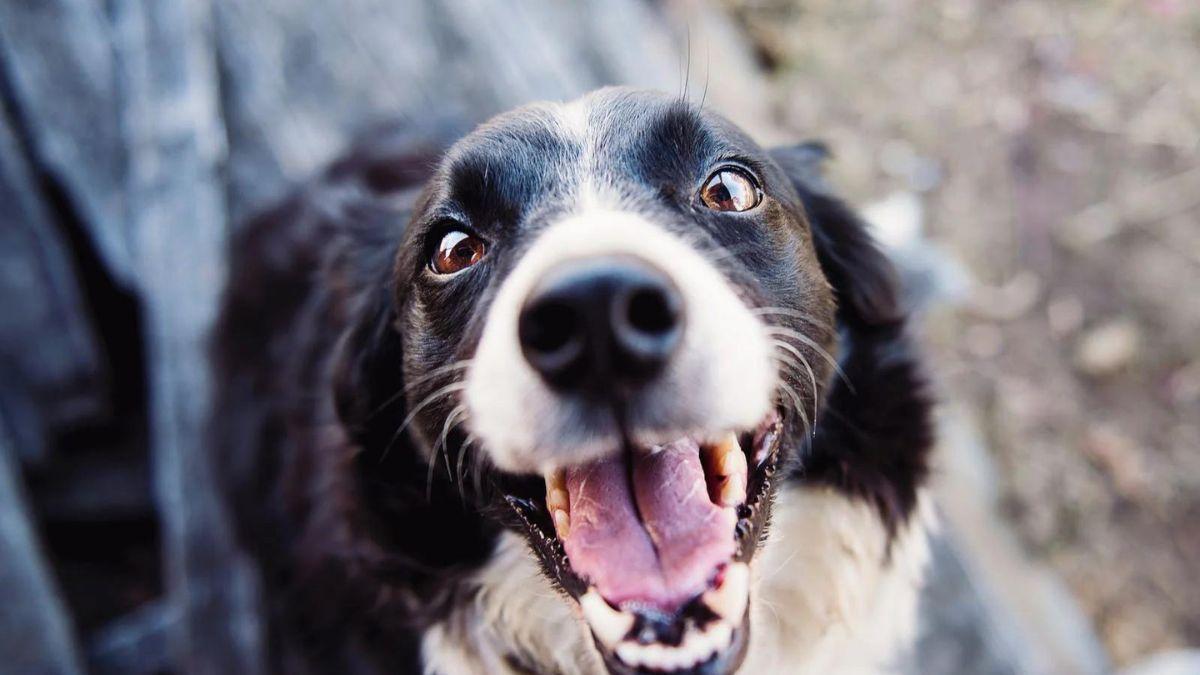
[(299, 79), (49, 366), (176, 198), (135, 644), (35, 633), (144, 130), (62, 73)]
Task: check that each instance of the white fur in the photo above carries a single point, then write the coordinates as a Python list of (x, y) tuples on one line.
[(720, 379), (591, 191), (825, 599), (518, 612), (831, 598)]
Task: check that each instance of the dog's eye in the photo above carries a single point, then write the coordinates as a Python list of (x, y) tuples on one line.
[(730, 189), (456, 252)]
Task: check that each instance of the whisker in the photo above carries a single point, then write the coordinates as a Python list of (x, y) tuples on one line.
[(446, 426), (812, 378), (429, 479), (687, 77), (770, 575), (448, 389), (771, 606), (788, 359), (440, 446), (780, 331), (458, 464), (461, 363), (797, 403), (441, 370)]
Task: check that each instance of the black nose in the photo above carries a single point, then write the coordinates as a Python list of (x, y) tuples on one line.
[(601, 323)]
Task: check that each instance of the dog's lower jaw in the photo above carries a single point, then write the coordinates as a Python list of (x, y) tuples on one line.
[(829, 595)]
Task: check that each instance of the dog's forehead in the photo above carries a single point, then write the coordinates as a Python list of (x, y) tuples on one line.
[(609, 136)]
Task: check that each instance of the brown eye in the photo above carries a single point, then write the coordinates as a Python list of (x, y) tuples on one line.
[(730, 190), (456, 252)]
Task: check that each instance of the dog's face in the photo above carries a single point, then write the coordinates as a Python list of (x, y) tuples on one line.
[(615, 308)]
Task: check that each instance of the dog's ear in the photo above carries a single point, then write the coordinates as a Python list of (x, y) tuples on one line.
[(862, 277), (874, 437)]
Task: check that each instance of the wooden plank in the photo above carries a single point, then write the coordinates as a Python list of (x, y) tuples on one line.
[(58, 59), (301, 79), (134, 644), (179, 223), (35, 633), (50, 367)]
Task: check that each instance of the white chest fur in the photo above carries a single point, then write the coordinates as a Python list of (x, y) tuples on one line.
[(829, 597)]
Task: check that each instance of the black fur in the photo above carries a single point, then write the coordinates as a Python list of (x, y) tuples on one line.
[(875, 433), (362, 542)]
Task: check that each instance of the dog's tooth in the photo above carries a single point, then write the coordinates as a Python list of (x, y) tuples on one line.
[(609, 625), (730, 460), (630, 653), (694, 648), (556, 498), (734, 464), (558, 502), (562, 523), (700, 643), (729, 599), (654, 656), (733, 490), (675, 659), (720, 634)]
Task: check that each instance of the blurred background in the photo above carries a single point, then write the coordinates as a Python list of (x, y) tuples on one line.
[(1032, 167)]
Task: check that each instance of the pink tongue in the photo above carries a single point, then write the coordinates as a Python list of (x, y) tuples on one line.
[(668, 556)]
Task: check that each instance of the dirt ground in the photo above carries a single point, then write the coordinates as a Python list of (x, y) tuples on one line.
[(1055, 148)]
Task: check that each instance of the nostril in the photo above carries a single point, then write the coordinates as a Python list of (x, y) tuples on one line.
[(652, 311), (551, 339), (646, 327), (548, 328)]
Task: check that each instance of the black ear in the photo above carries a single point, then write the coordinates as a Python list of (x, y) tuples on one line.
[(875, 433), (862, 277)]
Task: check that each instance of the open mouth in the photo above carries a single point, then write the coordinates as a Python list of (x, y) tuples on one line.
[(654, 543)]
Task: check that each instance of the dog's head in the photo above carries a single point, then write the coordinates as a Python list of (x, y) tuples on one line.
[(617, 320)]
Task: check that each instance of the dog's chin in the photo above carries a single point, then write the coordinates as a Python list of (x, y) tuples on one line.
[(654, 544)]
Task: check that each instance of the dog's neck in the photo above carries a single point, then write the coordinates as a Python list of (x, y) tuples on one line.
[(835, 591)]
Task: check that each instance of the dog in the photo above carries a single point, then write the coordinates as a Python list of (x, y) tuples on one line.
[(602, 387)]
